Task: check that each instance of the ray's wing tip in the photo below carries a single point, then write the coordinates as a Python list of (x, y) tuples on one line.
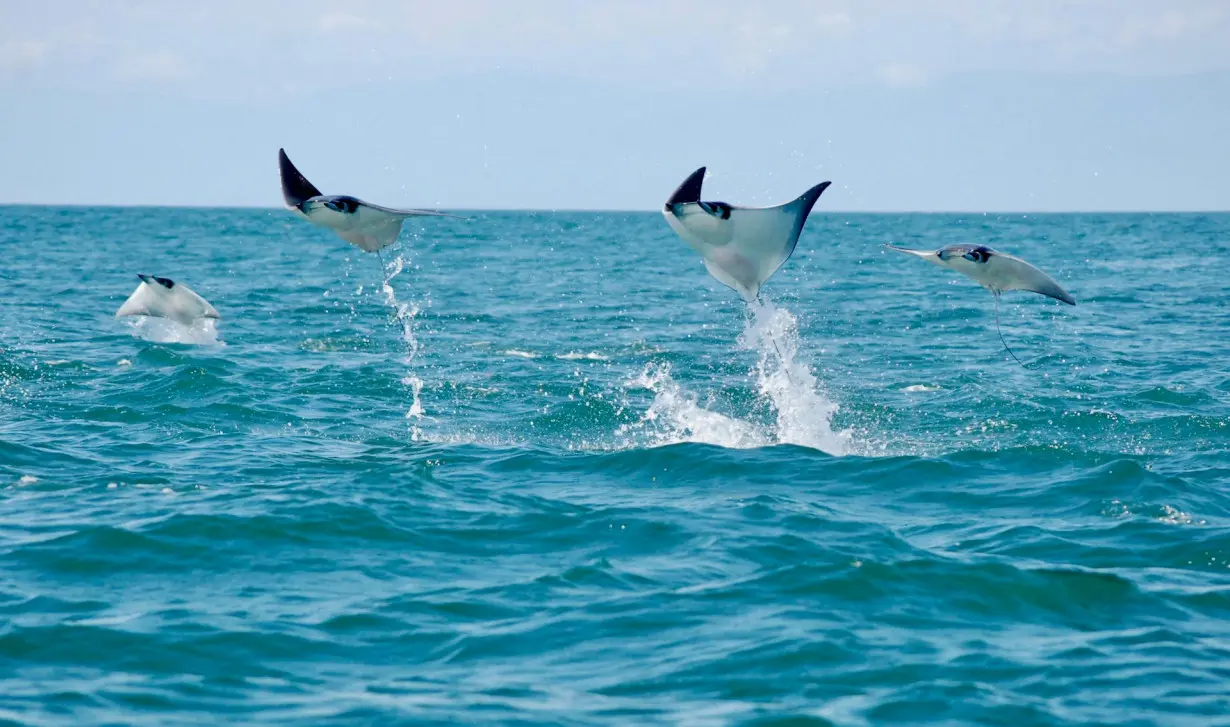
[(1053, 291), (462, 218), (689, 189), (295, 187), (813, 194)]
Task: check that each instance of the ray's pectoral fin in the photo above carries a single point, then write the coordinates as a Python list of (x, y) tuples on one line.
[(761, 241), (410, 212), (143, 300), (1012, 273), (924, 254), (134, 306), (689, 190), (296, 189)]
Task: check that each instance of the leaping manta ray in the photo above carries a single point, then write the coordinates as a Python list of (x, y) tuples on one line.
[(995, 271), (742, 246), (368, 226)]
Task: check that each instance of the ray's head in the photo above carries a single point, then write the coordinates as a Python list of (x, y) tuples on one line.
[(156, 281), (973, 253), (341, 204)]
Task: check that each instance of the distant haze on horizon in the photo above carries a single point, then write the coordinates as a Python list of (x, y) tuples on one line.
[(952, 105)]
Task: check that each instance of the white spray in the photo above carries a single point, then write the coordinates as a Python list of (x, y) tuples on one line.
[(804, 412), (202, 331)]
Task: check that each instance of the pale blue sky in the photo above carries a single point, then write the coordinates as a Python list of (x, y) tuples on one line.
[(942, 105)]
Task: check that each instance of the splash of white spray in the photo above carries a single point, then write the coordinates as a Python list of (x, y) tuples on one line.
[(202, 332), (675, 416), (804, 412)]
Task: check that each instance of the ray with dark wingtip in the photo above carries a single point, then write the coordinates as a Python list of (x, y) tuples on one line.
[(742, 247), (996, 271), (368, 226)]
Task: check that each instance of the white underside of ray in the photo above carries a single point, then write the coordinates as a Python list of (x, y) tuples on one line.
[(1005, 272), (180, 304), (744, 251), (999, 273), (368, 228)]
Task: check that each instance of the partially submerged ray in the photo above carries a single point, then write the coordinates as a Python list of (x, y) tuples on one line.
[(370, 227), (160, 297), (996, 271), (742, 247)]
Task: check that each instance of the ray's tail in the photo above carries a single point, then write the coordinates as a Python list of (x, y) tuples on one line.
[(1001, 333)]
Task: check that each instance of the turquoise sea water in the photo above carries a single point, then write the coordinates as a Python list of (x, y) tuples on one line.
[(555, 474)]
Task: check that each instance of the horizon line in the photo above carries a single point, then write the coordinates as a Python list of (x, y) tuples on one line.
[(111, 205)]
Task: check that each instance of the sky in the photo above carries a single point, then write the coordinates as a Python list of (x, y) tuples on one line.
[(945, 105)]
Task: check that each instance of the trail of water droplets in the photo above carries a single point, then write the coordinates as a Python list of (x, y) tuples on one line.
[(406, 314)]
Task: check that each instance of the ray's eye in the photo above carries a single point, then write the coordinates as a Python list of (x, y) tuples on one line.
[(978, 256)]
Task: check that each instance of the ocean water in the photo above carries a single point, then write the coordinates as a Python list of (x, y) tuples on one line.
[(553, 473)]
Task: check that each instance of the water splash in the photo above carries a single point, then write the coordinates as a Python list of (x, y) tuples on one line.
[(675, 416), (804, 412), (406, 314), (202, 332)]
